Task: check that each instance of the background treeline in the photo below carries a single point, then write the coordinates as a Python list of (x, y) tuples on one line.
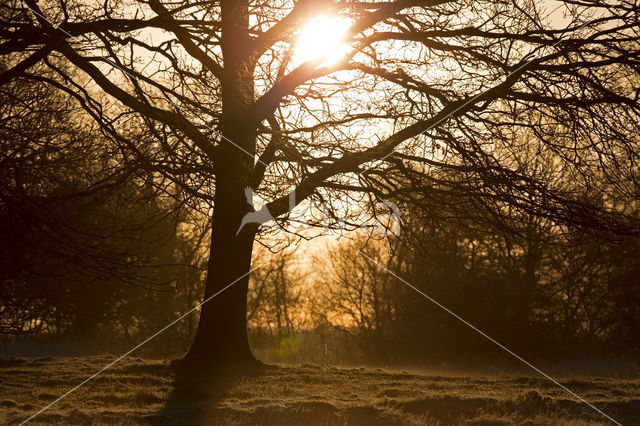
[(549, 295), (98, 252), (93, 251)]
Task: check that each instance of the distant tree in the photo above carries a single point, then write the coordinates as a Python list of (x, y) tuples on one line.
[(275, 294), (275, 304), (572, 294), (216, 97), (359, 298), (72, 215)]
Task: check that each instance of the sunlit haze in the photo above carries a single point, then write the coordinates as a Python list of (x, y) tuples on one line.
[(300, 212), (321, 39)]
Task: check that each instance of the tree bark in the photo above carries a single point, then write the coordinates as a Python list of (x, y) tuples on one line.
[(221, 340)]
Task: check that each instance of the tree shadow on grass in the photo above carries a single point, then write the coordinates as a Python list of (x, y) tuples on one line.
[(194, 399), (198, 390)]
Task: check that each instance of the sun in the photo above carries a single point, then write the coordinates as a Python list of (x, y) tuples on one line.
[(322, 39)]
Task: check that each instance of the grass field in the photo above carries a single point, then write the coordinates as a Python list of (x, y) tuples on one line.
[(137, 391)]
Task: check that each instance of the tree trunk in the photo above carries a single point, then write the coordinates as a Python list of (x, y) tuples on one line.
[(221, 339)]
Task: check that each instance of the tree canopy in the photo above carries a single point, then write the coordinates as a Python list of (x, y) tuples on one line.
[(522, 106)]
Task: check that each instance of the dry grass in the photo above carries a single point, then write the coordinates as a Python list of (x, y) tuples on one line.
[(139, 391)]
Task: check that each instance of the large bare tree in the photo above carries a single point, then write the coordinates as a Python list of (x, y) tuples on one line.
[(417, 98)]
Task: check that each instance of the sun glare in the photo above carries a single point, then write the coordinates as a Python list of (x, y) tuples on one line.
[(322, 39)]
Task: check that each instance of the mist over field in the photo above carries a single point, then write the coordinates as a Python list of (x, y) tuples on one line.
[(325, 212), (140, 392)]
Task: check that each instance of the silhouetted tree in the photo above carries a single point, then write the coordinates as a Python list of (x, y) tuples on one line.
[(76, 225), (358, 297), (214, 97)]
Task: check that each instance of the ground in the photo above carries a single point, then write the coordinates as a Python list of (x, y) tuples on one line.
[(137, 391)]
